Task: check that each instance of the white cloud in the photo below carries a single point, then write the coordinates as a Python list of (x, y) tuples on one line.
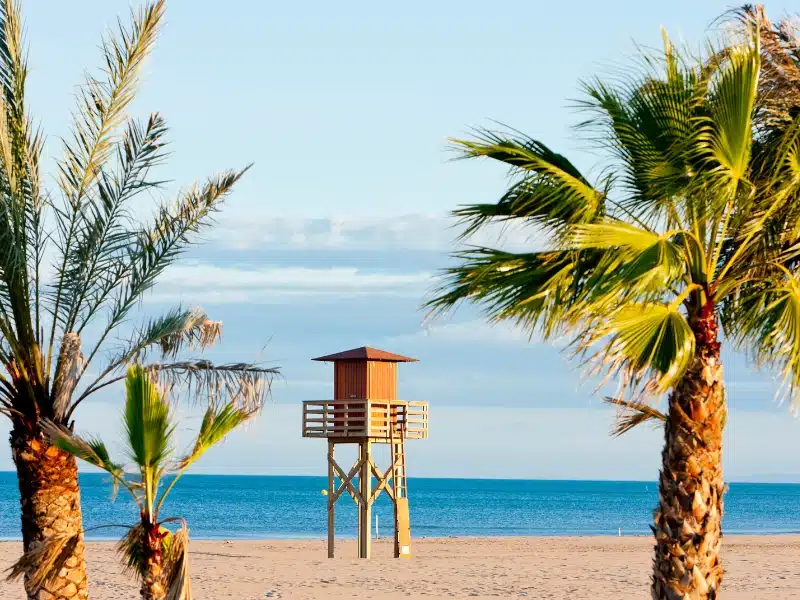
[(476, 331), (480, 331), (226, 285), (434, 232)]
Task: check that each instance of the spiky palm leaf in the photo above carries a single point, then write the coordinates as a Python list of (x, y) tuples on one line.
[(217, 423), (148, 428)]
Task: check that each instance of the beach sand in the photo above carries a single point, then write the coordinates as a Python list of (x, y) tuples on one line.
[(758, 567)]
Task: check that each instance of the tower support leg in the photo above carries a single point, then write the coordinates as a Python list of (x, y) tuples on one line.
[(365, 507), (331, 501)]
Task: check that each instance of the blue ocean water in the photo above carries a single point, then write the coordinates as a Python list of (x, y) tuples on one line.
[(253, 507)]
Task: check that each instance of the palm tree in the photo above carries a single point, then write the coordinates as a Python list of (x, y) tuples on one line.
[(694, 226), (158, 556), (73, 261)]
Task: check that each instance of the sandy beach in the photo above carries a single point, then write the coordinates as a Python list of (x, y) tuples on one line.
[(564, 568)]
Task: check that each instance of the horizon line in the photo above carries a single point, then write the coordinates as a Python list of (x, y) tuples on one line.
[(533, 479)]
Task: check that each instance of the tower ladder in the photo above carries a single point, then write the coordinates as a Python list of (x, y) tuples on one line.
[(402, 540)]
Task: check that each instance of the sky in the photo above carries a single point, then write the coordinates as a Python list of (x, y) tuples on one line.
[(334, 237)]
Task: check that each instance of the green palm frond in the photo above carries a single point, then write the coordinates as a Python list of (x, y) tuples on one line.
[(766, 320), (93, 268), (101, 110), (647, 124), (147, 421), (550, 191), (160, 245), (648, 345), (217, 423), (639, 263), (154, 249), (104, 259), (728, 131), (131, 549), (533, 289)]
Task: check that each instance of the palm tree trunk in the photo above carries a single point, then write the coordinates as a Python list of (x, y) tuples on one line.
[(688, 520), (51, 505), (153, 576)]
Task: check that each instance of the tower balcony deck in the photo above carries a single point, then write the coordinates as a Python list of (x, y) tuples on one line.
[(376, 420)]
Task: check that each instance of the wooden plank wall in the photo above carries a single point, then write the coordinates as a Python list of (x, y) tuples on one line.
[(350, 380), (382, 381)]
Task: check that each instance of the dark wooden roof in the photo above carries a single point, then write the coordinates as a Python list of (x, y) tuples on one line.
[(365, 353)]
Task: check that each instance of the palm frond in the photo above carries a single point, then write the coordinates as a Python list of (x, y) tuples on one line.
[(178, 330), (247, 385), (102, 106), (766, 321), (728, 129), (532, 289), (176, 566), (21, 209), (644, 344), (779, 84), (639, 263), (217, 423), (162, 244), (147, 421), (43, 561), (131, 549), (550, 191), (647, 122), (632, 414), (94, 266)]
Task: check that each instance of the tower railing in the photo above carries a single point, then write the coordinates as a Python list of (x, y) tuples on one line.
[(377, 420)]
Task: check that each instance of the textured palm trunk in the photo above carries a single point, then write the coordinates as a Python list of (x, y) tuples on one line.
[(50, 502), (153, 576), (688, 519)]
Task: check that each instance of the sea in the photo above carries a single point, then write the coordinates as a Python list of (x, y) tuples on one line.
[(278, 507)]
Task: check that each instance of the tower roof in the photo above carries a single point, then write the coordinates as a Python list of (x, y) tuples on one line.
[(365, 353)]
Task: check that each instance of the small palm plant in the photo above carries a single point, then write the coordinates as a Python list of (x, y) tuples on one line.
[(156, 555)]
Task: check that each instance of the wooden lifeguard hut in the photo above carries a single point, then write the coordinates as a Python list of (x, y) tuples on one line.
[(365, 411)]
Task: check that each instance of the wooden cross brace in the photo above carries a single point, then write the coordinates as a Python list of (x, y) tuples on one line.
[(347, 482), (383, 479)]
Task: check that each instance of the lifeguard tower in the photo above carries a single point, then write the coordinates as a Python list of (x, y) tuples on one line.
[(365, 411)]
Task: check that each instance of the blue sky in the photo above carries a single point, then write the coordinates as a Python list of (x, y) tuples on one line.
[(332, 239)]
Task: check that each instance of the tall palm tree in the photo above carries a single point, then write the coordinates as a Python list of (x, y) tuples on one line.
[(73, 265), (158, 556), (693, 226)]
